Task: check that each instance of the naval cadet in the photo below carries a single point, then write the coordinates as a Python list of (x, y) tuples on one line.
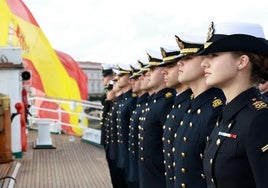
[(110, 97), (124, 112), (107, 75), (171, 56), (200, 118), (236, 153), (116, 173), (151, 167), (133, 148)]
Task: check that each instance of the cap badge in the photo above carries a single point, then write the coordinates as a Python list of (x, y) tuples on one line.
[(140, 63), (163, 52), (210, 31), (180, 43), (149, 57)]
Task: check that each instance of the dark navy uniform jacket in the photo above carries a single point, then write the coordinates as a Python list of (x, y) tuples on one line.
[(124, 112), (112, 133), (106, 127), (265, 95), (190, 138), (151, 166), (236, 153), (133, 148), (106, 108), (181, 104)]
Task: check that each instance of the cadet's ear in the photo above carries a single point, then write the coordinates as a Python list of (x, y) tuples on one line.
[(243, 62)]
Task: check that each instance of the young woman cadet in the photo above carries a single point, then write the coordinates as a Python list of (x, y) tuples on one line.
[(198, 120), (236, 153)]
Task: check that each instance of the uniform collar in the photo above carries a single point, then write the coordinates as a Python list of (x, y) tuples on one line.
[(204, 97), (128, 93), (239, 102), (164, 92), (142, 98), (119, 97), (183, 96)]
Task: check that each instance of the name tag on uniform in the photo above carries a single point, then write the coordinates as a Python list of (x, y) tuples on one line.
[(229, 135)]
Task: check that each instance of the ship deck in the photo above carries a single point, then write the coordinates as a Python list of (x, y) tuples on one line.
[(72, 164)]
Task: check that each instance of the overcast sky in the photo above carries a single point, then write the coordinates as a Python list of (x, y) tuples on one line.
[(120, 31)]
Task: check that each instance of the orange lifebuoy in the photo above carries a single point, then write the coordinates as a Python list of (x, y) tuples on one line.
[(21, 110)]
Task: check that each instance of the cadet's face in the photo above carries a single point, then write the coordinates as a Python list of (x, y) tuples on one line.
[(123, 80), (171, 73), (143, 82), (155, 77), (214, 64), (135, 83), (106, 79), (115, 87), (190, 69)]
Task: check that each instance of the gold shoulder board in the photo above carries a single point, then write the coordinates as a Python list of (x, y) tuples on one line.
[(259, 105)]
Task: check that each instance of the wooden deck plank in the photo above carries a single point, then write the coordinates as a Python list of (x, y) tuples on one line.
[(71, 164)]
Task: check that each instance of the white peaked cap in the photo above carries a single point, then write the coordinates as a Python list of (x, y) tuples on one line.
[(239, 28), (124, 66), (197, 39), (235, 36), (154, 54), (135, 65), (116, 71), (171, 48), (143, 61), (106, 66)]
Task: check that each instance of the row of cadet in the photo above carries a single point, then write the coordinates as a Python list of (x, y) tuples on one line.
[(192, 116)]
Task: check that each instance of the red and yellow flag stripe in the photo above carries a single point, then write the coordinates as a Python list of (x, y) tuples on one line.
[(19, 28)]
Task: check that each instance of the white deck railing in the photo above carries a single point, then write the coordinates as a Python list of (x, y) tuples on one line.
[(89, 133)]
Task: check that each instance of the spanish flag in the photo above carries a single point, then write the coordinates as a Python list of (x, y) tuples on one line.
[(54, 73)]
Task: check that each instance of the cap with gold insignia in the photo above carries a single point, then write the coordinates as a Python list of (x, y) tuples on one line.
[(134, 71), (245, 37), (107, 69), (123, 69), (170, 55), (116, 72), (115, 78), (190, 45), (154, 58), (143, 64)]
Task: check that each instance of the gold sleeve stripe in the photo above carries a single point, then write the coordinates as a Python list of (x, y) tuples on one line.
[(264, 148)]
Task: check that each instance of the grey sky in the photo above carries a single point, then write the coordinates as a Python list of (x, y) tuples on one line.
[(120, 31)]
